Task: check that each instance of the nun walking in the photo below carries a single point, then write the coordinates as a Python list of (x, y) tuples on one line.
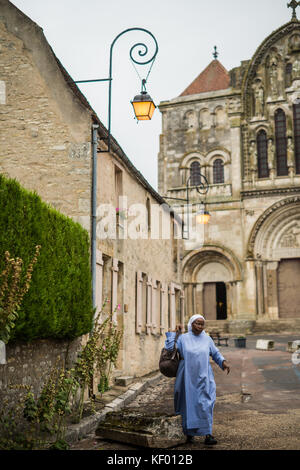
[(195, 387)]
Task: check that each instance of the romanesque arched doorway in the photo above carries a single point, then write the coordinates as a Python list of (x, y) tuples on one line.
[(210, 277), (274, 246)]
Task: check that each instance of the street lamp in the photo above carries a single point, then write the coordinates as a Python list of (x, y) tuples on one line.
[(144, 108), (202, 216), (143, 104)]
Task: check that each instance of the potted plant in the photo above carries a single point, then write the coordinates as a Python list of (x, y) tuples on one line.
[(240, 341)]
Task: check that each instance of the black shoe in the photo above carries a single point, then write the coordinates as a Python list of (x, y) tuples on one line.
[(210, 440), (189, 439)]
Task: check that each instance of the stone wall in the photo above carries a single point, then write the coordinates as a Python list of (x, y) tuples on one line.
[(31, 363), (45, 132), (158, 260)]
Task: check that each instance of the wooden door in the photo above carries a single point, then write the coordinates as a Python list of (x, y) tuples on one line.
[(210, 301), (289, 288)]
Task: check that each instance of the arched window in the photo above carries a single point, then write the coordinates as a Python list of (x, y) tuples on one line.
[(281, 144), (262, 154), (195, 174), (218, 171), (288, 75), (297, 136)]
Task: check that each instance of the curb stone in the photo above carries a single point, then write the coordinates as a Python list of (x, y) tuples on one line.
[(89, 424)]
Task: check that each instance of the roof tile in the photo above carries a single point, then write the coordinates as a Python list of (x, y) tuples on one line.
[(214, 77)]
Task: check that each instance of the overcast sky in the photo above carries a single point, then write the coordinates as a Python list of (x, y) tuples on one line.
[(81, 32)]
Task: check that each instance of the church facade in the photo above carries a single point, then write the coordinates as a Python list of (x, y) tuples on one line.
[(241, 131)]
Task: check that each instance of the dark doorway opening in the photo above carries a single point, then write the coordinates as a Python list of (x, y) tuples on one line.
[(215, 301), (221, 301)]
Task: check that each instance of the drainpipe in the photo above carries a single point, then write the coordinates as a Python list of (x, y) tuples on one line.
[(94, 213)]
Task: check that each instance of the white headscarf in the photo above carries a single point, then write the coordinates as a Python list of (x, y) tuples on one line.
[(192, 319)]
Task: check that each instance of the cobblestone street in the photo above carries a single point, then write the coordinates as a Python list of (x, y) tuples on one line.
[(257, 406)]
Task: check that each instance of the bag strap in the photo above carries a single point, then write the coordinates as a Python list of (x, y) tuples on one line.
[(175, 346), (176, 337)]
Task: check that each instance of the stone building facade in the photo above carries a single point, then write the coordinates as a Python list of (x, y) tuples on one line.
[(241, 130), (46, 129)]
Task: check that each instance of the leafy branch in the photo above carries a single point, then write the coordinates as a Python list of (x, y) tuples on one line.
[(12, 290)]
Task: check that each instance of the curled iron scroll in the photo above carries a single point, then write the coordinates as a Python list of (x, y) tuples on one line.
[(203, 186), (143, 51)]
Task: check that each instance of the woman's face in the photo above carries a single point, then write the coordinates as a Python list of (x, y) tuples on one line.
[(198, 326)]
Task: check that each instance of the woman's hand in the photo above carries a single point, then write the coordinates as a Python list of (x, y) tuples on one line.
[(179, 328), (226, 367)]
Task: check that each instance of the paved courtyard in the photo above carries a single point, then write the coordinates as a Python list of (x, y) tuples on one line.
[(257, 406)]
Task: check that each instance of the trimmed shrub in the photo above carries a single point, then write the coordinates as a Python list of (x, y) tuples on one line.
[(58, 303)]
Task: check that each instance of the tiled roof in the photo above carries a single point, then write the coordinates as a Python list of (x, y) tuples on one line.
[(214, 77)]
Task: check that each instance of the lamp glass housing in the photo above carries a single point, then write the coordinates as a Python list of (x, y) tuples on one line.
[(202, 217), (143, 106)]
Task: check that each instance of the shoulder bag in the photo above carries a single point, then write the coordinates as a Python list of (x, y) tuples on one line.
[(169, 360)]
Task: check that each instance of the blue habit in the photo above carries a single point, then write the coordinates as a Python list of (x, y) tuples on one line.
[(195, 387)]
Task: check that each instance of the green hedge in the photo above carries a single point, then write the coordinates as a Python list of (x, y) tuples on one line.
[(58, 303)]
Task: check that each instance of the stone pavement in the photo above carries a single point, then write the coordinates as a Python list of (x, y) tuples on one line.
[(257, 406)]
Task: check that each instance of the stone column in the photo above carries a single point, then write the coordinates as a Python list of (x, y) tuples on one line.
[(265, 284), (99, 280), (194, 300), (272, 292), (114, 293), (228, 299), (259, 288), (188, 287), (233, 298)]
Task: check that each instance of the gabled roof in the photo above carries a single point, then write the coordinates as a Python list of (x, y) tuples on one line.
[(214, 77)]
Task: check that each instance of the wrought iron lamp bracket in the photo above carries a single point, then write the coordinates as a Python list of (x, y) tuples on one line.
[(143, 53)]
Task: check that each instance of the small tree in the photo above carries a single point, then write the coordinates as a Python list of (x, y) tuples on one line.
[(13, 286)]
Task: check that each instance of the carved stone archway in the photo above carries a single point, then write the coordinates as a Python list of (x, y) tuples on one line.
[(275, 238), (267, 229), (210, 264)]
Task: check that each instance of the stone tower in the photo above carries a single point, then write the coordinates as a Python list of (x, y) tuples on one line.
[(241, 130)]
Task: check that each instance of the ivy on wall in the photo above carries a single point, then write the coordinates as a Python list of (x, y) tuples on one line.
[(58, 303)]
